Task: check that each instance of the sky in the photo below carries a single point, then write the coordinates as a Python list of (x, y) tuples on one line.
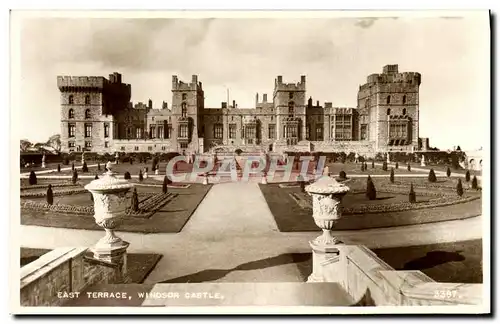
[(245, 56)]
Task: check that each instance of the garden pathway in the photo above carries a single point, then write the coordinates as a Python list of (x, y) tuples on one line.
[(232, 237)]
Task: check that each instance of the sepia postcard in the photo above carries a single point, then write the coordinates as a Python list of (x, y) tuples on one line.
[(250, 162)]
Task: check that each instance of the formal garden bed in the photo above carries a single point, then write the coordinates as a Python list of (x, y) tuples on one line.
[(292, 208), (159, 212)]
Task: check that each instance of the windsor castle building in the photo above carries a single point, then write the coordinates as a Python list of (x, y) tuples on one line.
[(97, 116)]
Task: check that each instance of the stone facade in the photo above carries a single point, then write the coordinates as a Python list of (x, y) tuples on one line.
[(97, 115)]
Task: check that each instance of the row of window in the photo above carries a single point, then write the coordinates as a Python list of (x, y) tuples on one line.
[(87, 146), (88, 130), (150, 148), (389, 111), (387, 100), (71, 114), (71, 100)]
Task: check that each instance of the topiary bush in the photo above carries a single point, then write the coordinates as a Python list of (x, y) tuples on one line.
[(474, 183), (58, 168), (392, 175), (408, 167), (397, 165), (384, 166), (140, 175), (467, 176), (448, 172), (371, 192), (72, 166), (135, 201), (50, 195), (165, 185), (373, 164), (91, 197), (32, 179), (85, 167), (127, 176), (342, 175), (96, 177), (74, 177), (460, 189), (302, 183), (98, 166), (66, 161), (432, 176), (412, 196)]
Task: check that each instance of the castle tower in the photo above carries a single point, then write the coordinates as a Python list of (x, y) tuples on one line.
[(88, 106), (388, 106), (187, 112), (290, 105)]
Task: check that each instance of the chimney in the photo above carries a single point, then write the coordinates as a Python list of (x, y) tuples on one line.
[(280, 79), (256, 98), (224, 104), (164, 105), (310, 102), (194, 79), (150, 104), (264, 97), (118, 77), (317, 103), (112, 78), (302, 79), (234, 103)]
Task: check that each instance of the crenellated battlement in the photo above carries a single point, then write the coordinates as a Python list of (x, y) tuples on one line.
[(391, 74), (280, 86), (80, 82), (178, 85)]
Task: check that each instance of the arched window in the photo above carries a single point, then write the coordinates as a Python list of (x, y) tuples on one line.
[(404, 99), (367, 103), (183, 109), (388, 111), (388, 99), (290, 108), (87, 100), (184, 96), (71, 113), (71, 100), (87, 114), (290, 95), (404, 111)]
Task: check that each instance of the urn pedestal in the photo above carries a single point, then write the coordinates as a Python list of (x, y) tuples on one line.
[(205, 179), (327, 196), (264, 178), (110, 206)]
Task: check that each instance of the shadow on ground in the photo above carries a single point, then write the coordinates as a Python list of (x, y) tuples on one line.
[(215, 274)]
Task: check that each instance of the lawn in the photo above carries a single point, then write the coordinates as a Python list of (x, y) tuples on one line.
[(443, 169), (456, 262), (139, 265), (171, 218), (291, 217), (353, 168)]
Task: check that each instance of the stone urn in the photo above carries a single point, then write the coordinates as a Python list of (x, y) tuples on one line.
[(110, 206), (327, 196), (43, 161), (264, 178), (422, 161), (117, 156)]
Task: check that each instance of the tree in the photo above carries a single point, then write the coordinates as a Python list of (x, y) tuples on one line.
[(371, 192), (55, 142), (411, 196), (342, 175), (96, 177), (238, 151), (85, 167), (25, 145), (373, 164), (135, 201), (458, 148), (392, 175), (127, 176), (140, 175), (448, 172), (474, 183), (74, 178), (467, 176), (50, 195), (58, 168), (432, 176), (408, 167), (384, 166), (397, 165), (460, 189), (32, 179), (165, 184)]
